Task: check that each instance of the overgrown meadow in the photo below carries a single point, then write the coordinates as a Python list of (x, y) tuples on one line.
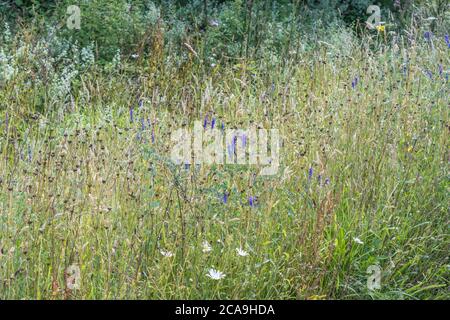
[(87, 184)]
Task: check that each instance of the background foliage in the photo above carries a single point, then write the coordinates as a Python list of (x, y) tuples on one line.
[(241, 27)]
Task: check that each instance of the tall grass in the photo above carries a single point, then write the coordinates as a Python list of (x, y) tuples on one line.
[(363, 178)]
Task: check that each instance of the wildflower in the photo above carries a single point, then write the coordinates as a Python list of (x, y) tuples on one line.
[(187, 166), (135, 56), (327, 181), (380, 28), (205, 122), (206, 247), (167, 254), (441, 70), (244, 140), (140, 103), (230, 150), (214, 23), (319, 179), (131, 114), (429, 74), (215, 274), (447, 40), (427, 35), (358, 241), (223, 126), (310, 173), (354, 82), (225, 197), (232, 147), (251, 201), (241, 252), (213, 122)]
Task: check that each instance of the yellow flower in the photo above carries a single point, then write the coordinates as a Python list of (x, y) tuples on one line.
[(380, 28)]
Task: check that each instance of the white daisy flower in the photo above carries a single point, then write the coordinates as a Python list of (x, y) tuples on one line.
[(241, 252), (135, 56), (206, 247), (167, 254), (215, 274), (214, 23), (358, 240)]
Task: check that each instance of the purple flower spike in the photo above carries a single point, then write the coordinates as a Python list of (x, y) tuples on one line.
[(230, 150), (225, 198), (223, 126), (141, 103), (213, 123), (234, 143), (327, 181), (354, 82), (310, 173), (441, 70), (205, 122), (131, 115), (427, 35), (447, 40), (244, 140), (251, 201)]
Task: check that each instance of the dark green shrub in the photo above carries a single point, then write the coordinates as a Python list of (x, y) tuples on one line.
[(110, 25), (12, 9)]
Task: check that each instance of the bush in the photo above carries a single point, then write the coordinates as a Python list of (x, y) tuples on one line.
[(111, 25), (13, 9)]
